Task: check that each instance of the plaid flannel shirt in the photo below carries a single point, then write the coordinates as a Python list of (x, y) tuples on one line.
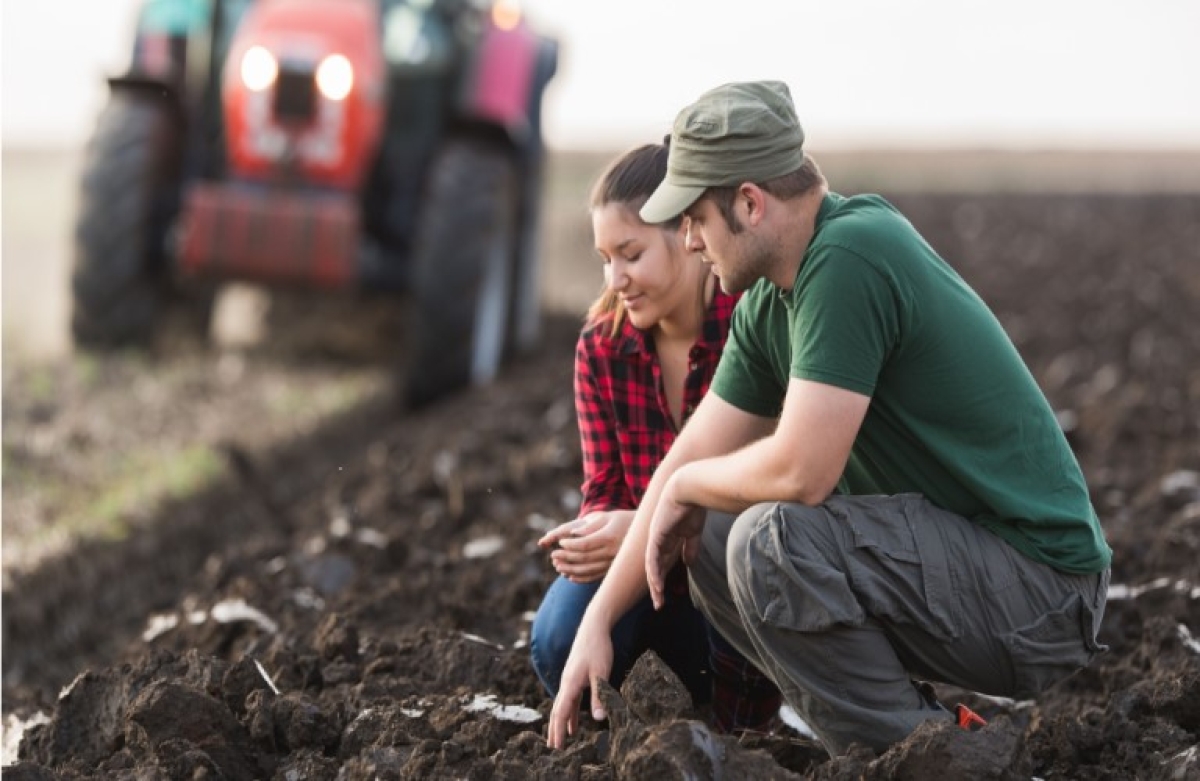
[(626, 428), (625, 425)]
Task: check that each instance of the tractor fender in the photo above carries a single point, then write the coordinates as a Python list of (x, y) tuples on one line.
[(166, 92), (504, 79), (146, 85)]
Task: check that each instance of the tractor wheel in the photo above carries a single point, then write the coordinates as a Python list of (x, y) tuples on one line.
[(525, 318), (130, 179), (462, 271)]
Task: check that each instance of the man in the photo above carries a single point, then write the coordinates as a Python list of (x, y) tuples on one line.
[(874, 492)]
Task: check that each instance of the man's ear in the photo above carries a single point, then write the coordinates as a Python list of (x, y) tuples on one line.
[(752, 201)]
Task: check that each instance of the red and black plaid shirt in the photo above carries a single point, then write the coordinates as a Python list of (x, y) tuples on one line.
[(625, 424), (626, 428)]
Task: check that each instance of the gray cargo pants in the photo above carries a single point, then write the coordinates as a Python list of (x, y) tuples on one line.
[(844, 604)]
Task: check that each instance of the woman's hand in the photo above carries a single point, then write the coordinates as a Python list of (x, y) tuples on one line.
[(590, 662), (583, 549)]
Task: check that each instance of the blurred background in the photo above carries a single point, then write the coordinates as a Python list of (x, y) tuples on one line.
[(1070, 76), (925, 73)]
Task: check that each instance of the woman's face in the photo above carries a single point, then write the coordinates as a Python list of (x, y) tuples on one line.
[(646, 265)]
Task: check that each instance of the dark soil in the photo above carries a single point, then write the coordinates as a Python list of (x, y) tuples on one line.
[(356, 605)]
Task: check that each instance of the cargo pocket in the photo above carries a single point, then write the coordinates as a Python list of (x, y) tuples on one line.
[(898, 566), (789, 586), (1058, 644)]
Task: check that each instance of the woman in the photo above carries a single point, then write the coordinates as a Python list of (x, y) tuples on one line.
[(645, 357)]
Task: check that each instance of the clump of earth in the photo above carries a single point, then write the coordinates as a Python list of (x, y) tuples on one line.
[(355, 604)]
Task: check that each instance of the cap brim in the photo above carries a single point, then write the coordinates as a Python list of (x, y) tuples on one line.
[(669, 201)]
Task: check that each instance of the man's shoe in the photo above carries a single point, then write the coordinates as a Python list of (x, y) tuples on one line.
[(968, 719), (963, 716)]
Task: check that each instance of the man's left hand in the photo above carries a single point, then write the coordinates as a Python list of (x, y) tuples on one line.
[(674, 531)]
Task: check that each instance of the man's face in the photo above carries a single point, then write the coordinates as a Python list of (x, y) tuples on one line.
[(738, 259)]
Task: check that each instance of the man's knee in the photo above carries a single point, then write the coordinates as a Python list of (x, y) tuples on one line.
[(782, 570), (742, 542), (739, 551), (707, 571)]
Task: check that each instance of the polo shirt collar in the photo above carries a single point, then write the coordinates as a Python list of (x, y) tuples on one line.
[(828, 204)]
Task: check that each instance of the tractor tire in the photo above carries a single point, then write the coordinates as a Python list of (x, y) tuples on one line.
[(525, 317), (462, 272), (129, 186)]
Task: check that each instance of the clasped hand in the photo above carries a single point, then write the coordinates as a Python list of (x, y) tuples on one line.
[(582, 550)]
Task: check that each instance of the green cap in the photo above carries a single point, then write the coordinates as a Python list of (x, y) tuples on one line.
[(741, 132)]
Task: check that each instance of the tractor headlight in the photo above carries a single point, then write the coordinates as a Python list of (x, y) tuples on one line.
[(335, 77), (259, 69)]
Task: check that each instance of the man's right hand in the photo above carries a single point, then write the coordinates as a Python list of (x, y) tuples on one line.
[(590, 662)]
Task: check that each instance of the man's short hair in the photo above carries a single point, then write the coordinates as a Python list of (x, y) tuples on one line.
[(791, 185)]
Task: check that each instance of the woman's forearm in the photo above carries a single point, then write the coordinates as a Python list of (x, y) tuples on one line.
[(625, 582), (716, 428)]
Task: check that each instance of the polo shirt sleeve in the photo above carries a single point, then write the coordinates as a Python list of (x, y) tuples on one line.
[(744, 376), (845, 321)]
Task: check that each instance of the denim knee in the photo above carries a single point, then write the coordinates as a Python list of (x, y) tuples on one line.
[(554, 627)]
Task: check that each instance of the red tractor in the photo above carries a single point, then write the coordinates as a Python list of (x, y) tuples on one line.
[(375, 145)]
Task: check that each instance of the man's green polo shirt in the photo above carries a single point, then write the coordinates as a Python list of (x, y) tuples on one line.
[(955, 414)]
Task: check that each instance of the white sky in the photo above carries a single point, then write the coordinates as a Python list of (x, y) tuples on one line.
[(1014, 73)]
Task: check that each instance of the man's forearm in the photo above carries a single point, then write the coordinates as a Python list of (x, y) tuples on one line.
[(731, 483), (625, 582)]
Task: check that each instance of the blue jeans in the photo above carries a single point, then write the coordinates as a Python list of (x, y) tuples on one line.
[(677, 633)]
